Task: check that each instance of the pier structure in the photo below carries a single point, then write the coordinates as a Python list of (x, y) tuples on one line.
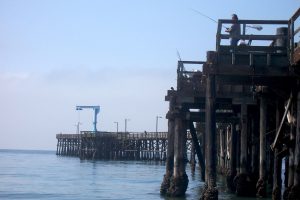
[(113, 146), (245, 102)]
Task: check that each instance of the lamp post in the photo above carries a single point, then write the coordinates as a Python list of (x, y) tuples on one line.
[(117, 126), (157, 140), (156, 126), (126, 124)]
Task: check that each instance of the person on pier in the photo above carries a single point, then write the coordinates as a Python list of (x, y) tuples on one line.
[(234, 31)]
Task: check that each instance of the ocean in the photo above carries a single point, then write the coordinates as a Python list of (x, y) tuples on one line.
[(28, 174)]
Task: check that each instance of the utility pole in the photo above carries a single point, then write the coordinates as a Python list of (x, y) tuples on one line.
[(117, 126), (126, 124), (156, 126)]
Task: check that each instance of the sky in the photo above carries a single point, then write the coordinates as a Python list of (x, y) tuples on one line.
[(118, 54)]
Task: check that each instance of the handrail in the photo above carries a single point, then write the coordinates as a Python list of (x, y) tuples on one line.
[(184, 75), (292, 33), (248, 23)]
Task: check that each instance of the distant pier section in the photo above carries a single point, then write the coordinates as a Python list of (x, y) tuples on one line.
[(113, 146)]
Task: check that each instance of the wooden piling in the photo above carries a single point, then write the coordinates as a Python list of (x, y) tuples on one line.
[(295, 190), (277, 182), (165, 185), (261, 184), (198, 150), (232, 158), (210, 191), (179, 180)]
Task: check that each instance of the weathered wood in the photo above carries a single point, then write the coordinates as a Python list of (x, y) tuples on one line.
[(211, 192), (198, 150), (244, 148), (232, 158), (277, 182), (179, 180), (261, 184), (281, 123), (295, 190)]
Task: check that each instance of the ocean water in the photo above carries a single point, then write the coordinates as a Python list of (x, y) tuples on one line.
[(43, 175)]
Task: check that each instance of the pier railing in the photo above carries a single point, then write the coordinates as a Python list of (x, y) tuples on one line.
[(266, 41), (294, 31)]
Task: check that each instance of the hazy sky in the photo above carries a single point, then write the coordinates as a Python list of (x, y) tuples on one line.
[(119, 54)]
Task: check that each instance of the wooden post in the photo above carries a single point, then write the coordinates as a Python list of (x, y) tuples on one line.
[(198, 150), (192, 158), (291, 170), (232, 157), (243, 185), (254, 146), (222, 153), (276, 194), (261, 184), (244, 112), (211, 191), (170, 152), (179, 180), (295, 191)]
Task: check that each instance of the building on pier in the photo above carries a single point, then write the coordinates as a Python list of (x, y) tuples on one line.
[(240, 99)]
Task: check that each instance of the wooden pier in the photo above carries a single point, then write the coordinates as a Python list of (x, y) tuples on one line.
[(245, 102), (237, 114), (115, 146)]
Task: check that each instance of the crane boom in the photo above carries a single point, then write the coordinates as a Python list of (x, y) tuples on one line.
[(96, 111)]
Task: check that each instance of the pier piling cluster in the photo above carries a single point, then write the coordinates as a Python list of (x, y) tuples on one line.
[(246, 101)]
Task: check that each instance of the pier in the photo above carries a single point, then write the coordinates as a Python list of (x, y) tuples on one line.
[(245, 101), (235, 114), (113, 146)]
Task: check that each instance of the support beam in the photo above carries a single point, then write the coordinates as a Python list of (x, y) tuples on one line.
[(211, 191), (244, 120), (179, 180), (261, 184), (198, 150), (277, 182), (295, 191), (243, 182), (281, 123), (232, 157), (170, 151)]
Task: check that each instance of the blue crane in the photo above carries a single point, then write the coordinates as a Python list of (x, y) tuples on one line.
[(96, 111)]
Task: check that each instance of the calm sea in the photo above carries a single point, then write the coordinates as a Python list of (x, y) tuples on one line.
[(43, 175)]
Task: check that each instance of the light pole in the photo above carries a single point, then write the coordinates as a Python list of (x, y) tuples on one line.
[(126, 124), (157, 140), (156, 126), (117, 126)]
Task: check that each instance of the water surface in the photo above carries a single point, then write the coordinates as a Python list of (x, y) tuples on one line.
[(43, 175)]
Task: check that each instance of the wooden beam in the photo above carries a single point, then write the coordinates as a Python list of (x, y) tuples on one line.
[(198, 149), (273, 145)]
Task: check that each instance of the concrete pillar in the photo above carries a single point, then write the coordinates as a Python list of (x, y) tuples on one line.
[(211, 191), (261, 184)]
